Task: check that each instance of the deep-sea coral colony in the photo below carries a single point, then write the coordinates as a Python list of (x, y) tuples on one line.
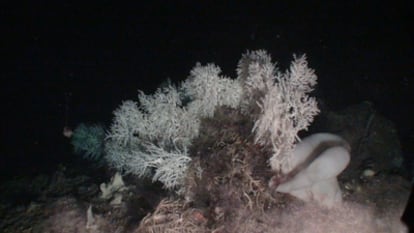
[(151, 137)]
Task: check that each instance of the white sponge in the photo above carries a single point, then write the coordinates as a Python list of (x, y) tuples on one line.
[(318, 180)]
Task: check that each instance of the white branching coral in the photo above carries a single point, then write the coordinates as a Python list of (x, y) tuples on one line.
[(208, 90), (168, 122), (256, 71), (150, 138), (171, 165), (286, 109)]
